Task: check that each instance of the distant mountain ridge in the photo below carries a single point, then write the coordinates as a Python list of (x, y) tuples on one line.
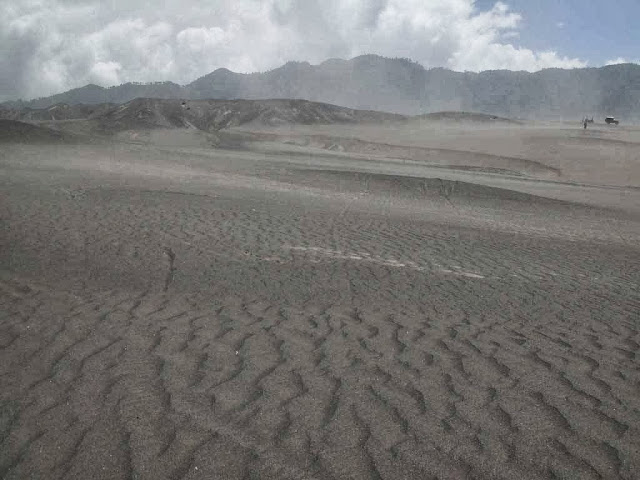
[(371, 82)]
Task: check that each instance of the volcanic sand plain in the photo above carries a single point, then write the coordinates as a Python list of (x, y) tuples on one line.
[(412, 301)]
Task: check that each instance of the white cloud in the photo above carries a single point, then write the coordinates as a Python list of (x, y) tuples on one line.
[(560, 24), (621, 60), (55, 45), (105, 73)]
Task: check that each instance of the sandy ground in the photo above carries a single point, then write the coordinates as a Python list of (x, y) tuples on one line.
[(323, 303)]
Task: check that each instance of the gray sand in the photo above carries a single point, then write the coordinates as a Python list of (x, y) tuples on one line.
[(322, 302)]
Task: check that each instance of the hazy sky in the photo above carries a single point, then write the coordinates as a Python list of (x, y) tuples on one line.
[(48, 46)]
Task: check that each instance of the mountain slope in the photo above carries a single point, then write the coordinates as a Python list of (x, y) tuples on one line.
[(12, 131), (214, 115), (401, 86)]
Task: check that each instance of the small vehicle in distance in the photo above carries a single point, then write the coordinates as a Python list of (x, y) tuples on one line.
[(611, 120)]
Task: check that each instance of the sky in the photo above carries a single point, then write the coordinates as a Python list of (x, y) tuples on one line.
[(50, 46)]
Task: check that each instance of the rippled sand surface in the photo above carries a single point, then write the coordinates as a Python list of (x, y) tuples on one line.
[(322, 303)]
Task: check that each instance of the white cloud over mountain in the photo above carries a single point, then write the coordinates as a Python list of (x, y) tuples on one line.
[(53, 45), (620, 60)]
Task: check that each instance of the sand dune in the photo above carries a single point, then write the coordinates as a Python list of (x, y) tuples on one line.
[(599, 155), (180, 310), (468, 117)]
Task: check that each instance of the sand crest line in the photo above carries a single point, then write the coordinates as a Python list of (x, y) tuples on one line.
[(389, 262)]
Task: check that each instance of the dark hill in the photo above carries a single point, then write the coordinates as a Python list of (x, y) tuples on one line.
[(60, 111), (12, 131), (213, 115)]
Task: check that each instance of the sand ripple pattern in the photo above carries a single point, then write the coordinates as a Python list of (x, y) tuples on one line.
[(145, 385), (162, 333)]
